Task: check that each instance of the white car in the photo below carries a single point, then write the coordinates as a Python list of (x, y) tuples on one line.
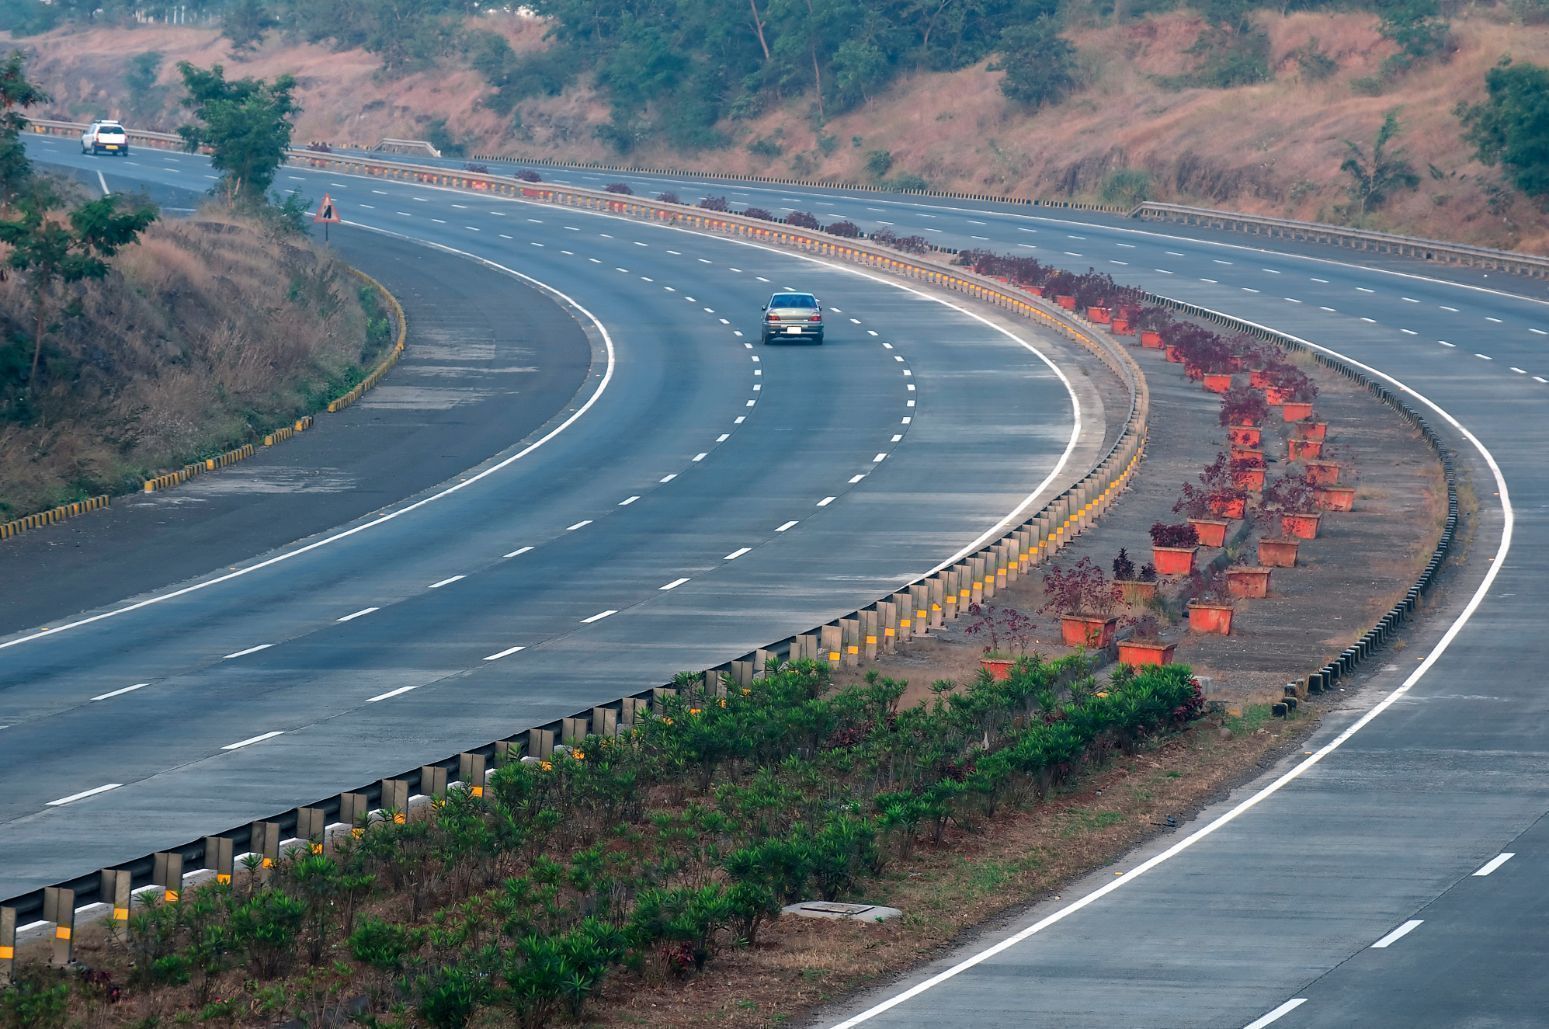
[(105, 136)]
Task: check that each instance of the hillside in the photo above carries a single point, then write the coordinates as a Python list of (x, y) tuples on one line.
[(1273, 147)]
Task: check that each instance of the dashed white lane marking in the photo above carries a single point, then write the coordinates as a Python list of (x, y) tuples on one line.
[(120, 693), (879, 459), (367, 207), (1398, 934), (1484, 357), (1173, 253), (1540, 378), (669, 478), (72, 798), (1219, 261), (871, 332), (627, 501), (618, 269), (439, 221), (1164, 271), (1444, 307), (737, 553), (1316, 279), (249, 650), (760, 278), (700, 457), (909, 404), (447, 581), (1249, 289), (1269, 271), (461, 207), (604, 235), (674, 584), (1445, 343), (599, 616), (380, 192), (535, 243), (908, 372), (1112, 261), (855, 321), (739, 419), (856, 478), (703, 260), (725, 322), (363, 612), (788, 525), (1275, 1015), (826, 501), (518, 552), (1328, 309), (1409, 332), (390, 694), (254, 739), (971, 236), (1211, 281), (1519, 371), (723, 437), (578, 525), (594, 260), (646, 278), (405, 214), (1495, 862), (1538, 332), (1067, 235), (887, 346), (678, 253), (1290, 300), (1127, 246), (898, 357), (906, 420), (1363, 289), (502, 235), (1071, 253), (1409, 300), (536, 221), (750, 403), (911, 389), (1491, 318), (507, 652), (1029, 246), (897, 439), (1369, 321)]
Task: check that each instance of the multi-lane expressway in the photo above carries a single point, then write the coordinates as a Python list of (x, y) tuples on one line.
[(1366, 882)]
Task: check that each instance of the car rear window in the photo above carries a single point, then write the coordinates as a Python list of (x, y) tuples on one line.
[(111, 128), (793, 300)]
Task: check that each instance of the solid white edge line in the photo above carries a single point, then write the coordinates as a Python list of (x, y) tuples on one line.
[(120, 693), (1495, 862), (254, 739), (400, 691), (358, 614), (72, 798), (1295, 772), (1398, 934), (602, 385), (1275, 1015), (249, 650), (505, 653)]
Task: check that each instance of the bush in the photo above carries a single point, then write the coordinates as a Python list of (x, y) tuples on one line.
[(1177, 534), (878, 163), (1510, 127), (1081, 589), (845, 228), (621, 188), (758, 212), (1040, 66), (668, 198), (714, 204), (1127, 187), (802, 220), (528, 175)]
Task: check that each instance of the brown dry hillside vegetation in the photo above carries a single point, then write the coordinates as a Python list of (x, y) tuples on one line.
[(207, 333), (1268, 148)]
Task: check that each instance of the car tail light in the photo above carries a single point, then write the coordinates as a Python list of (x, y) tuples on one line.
[(815, 318), (771, 316)]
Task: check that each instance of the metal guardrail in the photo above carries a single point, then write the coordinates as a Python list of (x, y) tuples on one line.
[(1356, 239), (403, 145), (918, 607)]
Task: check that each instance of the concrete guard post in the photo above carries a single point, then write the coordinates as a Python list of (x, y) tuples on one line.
[(433, 781), (355, 812), (870, 633), (978, 592), (473, 771), (832, 644), (573, 730), (605, 721), (266, 844), (114, 890), (937, 590), (395, 799), (850, 631), (59, 908), (887, 611), (167, 872), (7, 944), (312, 826), (220, 857)]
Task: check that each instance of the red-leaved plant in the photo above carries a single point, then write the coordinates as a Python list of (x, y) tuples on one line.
[(1081, 589), (1177, 534)]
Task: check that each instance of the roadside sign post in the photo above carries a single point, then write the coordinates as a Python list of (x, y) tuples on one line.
[(327, 213)]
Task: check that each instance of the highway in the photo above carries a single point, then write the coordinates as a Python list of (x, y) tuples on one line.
[(1347, 886), (705, 496)]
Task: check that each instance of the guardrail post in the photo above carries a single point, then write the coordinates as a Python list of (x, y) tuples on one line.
[(742, 673), (113, 890), (887, 613), (966, 586), (59, 908), (831, 640), (605, 721), (540, 743), (266, 844), (220, 857), (312, 826), (982, 587), (870, 632), (937, 594), (167, 872), (919, 611), (850, 629), (573, 729), (471, 770), (395, 799), (7, 944), (355, 812), (433, 781)]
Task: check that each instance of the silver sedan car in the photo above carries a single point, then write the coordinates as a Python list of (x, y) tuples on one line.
[(793, 316)]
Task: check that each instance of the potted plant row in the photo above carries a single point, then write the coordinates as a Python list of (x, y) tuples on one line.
[(1137, 587), (1173, 546), (1144, 644), (999, 627), (1085, 600)]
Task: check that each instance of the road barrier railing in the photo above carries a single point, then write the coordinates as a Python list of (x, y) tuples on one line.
[(17, 526), (914, 609)]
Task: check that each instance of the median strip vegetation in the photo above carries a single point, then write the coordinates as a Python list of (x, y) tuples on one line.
[(642, 858)]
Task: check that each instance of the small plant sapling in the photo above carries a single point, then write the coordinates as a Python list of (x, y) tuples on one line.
[(1144, 628), (1123, 567), (998, 625)]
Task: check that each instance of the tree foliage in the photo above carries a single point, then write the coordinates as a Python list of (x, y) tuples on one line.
[(1510, 127), (1040, 66), (245, 123), (16, 94), (1376, 175)]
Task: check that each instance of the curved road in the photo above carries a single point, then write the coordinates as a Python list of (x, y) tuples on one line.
[(706, 496)]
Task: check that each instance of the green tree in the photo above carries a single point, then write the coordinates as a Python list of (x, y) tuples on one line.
[(1377, 175), (1040, 65), (245, 22), (16, 94), (1510, 127), (53, 255), (246, 124), (1417, 28)]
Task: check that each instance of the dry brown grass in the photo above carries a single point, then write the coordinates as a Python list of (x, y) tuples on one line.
[(208, 333)]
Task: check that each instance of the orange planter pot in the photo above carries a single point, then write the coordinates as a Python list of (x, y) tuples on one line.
[(1100, 315), (1248, 478), (1312, 430), (1171, 353), (1297, 410), (1092, 633), (1302, 526), (1173, 560), (1245, 436), (1216, 618), (1303, 449), (1121, 327), (1212, 533), (1151, 339), (1275, 397), (1136, 653), (1218, 383), (1135, 592), (1066, 301), (1278, 553), (1036, 291), (999, 668), (1249, 583), (1258, 380), (1236, 507), (1248, 457), (1323, 473), (1336, 498)]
